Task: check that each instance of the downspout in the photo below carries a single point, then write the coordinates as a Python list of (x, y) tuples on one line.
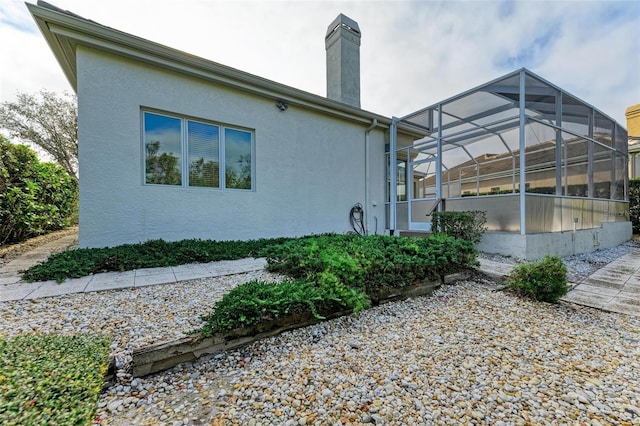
[(367, 167)]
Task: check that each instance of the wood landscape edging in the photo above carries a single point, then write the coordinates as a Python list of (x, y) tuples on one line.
[(162, 356)]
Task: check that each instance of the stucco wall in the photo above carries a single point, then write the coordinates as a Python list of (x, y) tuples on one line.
[(309, 168)]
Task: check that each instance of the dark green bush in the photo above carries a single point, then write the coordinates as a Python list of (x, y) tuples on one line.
[(373, 263), (51, 379), (337, 272), (35, 197), (151, 254), (545, 280), (255, 301), (466, 225), (634, 204)]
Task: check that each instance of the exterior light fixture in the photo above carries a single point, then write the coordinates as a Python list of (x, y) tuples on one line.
[(281, 105)]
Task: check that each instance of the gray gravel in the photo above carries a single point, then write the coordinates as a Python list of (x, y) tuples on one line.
[(466, 355)]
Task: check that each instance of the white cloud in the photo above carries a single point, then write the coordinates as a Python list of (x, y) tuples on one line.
[(413, 53)]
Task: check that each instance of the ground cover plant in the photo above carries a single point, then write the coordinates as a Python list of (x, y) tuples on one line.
[(544, 280), (255, 301), (151, 254), (338, 272), (51, 379)]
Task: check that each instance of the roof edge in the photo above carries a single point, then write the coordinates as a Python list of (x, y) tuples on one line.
[(64, 31)]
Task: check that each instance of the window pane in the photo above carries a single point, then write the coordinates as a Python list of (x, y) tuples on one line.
[(602, 158), (204, 165), (575, 171), (237, 151), (162, 144)]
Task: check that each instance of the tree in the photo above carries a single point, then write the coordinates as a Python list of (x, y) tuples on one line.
[(164, 168), (48, 121)]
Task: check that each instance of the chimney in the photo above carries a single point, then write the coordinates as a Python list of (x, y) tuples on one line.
[(343, 61)]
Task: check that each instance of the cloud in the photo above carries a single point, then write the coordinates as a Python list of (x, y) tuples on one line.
[(413, 54)]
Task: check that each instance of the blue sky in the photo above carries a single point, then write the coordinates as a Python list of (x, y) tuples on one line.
[(413, 53)]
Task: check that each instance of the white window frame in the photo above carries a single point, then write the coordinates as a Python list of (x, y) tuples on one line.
[(184, 148)]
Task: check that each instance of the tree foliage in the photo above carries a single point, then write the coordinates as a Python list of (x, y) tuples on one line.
[(48, 121), (162, 169), (35, 197)]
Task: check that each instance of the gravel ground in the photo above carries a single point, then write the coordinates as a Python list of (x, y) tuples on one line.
[(467, 355)]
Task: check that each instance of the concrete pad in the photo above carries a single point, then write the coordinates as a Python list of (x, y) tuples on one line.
[(51, 288), (9, 280), (18, 291), (610, 276), (152, 271), (634, 280), (111, 280), (18, 265), (602, 291), (625, 306), (191, 275), (155, 279), (605, 284), (588, 299)]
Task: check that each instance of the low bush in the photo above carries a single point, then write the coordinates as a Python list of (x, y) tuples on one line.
[(544, 280), (466, 225), (255, 301), (51, 379), (373, 263), (337, 272), (151, 254)]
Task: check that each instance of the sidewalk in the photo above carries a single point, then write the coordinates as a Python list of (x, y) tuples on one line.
[(615, 287)]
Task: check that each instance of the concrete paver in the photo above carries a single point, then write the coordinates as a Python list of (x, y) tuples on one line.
[(154, 279)]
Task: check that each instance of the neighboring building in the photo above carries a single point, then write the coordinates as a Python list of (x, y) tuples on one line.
[(633, 127), (174, 146)]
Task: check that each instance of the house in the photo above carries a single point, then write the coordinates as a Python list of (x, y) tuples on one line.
[(174, 146)]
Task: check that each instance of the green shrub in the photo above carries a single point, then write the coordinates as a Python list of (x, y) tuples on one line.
[(634, 204), (151, 254), (373, 263), (255, 301), (35, 198), (466, 225), (545, 280), (337, 272), (51, 379)]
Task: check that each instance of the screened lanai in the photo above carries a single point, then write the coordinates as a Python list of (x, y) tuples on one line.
[(480, 148)]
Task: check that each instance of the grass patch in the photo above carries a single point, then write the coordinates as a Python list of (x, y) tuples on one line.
[(51, 379)]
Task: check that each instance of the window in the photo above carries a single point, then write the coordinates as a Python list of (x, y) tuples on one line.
[(162, 146), (185, 152)]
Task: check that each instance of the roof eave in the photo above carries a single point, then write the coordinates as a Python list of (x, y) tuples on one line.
[(64, 32)]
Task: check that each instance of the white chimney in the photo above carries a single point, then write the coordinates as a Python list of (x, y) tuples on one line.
[(343, 61)]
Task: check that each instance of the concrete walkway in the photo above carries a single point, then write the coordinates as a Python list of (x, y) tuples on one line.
[(615, 287)]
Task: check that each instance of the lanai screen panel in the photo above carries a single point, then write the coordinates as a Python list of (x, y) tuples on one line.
[(572, 154)]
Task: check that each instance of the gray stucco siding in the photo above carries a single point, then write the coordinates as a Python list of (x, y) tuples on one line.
[(309, 167)]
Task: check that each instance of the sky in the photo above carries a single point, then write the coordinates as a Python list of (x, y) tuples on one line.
[(413, 53)]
